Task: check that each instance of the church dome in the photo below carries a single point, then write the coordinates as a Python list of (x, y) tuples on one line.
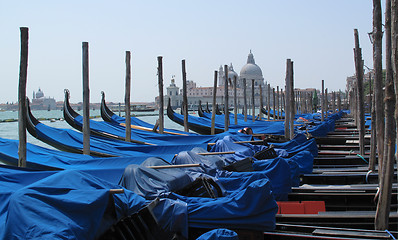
[(251, 70), (39, 94)]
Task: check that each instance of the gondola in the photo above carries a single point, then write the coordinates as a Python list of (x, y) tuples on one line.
[(264, 111), (108, 116), (114, 131), (72, 141), (200, 110), (339, 219), (300, 231), (201, 129), (355, 197), (218, 112), (70, 116), (32, 122), (207, 108)]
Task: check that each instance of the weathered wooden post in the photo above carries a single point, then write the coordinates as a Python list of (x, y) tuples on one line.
[(269, 100), (277, 103), (260, 112), (339, 101), (387, 171), (161, 100), (291, 98), (22, 111), (283, 102), (372, 157), (253, 106), (333, 101), (86, 101), (235, 103), (213, 108), (120, 109), (323, 101), (184, 96), (377, 36), (287, 100), (127, 96), (226, 102), (245, 98), (395, 59), (359, 75), (274, 103), (326, 103)]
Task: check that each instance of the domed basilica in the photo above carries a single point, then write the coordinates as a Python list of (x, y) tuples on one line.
[(250, 73)]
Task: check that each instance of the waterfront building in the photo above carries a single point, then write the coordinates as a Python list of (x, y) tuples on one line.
[(205, 94), (40, 102)]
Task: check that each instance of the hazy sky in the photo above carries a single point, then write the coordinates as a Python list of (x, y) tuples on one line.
[(316, 34)]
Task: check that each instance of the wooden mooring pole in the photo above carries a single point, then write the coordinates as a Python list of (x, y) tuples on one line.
[(292, 103), (253, 103), (184, 96), (22, 111), (359, 76), (277, 103), (261, 102), (86, 101), (387, 171), (339, 101), (269, 101), (245, 99), (127, 96), (226, 102), (378, 70), (274, 103), (287, 98), (161, 100), (235, 102), (323, 101), (213, 108)]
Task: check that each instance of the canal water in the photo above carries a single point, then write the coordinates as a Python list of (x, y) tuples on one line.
[(54, 118)]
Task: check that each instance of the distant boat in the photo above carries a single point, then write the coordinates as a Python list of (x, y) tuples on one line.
[(141, 108)]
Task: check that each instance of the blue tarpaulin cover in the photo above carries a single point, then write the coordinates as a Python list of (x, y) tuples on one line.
[(267, 127), (247, 202), (156, 138), (219, 234), (74, 140), (249, 205), (277, 170), (67, 205)]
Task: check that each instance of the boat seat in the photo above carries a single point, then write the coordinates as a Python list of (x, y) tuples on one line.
[(202, 187), (140, 225), (245, 165), (267, 153)]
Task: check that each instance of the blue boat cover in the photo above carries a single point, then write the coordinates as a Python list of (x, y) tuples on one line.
[(249, 205), (74, 140), (277, 170), (268, 127), (155, 138), (138, 122), (244, 150), (170, 214), (151, 183), (219, 234), (67, 205)]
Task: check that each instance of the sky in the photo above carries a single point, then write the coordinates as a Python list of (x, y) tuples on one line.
[(317, 35)]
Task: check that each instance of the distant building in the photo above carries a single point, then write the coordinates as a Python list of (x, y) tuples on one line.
[(40, 102), (250, 71)]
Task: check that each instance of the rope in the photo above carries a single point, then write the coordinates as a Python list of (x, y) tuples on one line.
[(367, 176), (392, 236), (362, 158)]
